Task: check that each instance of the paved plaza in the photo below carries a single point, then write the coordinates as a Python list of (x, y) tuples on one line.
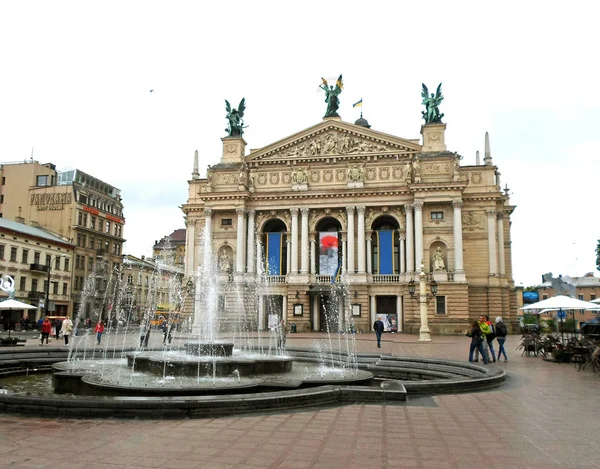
[(546, 416)]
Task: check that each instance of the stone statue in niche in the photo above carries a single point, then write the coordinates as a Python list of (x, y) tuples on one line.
[(438, 260), (408, 171), (224, 262)]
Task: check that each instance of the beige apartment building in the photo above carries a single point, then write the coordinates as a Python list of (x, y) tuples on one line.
[(41, 265), (343, 204), (76, 206)]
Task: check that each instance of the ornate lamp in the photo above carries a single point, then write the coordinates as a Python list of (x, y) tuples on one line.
[(423, 298)]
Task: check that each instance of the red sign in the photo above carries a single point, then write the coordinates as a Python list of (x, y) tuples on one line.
[(93, 211), (115, 219)]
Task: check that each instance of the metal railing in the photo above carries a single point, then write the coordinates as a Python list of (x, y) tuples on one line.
[(273, 279), (38, 267), (323, 278), (386, 278)]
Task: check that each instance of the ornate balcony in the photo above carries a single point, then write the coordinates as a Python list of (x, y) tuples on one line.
[(273, 279), (38, 268), (35, 295)]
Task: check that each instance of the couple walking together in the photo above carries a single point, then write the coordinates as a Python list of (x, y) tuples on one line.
[(482, 334)]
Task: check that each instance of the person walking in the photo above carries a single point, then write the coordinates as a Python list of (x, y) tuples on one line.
[(143, 332), (67, 328), (490, 338), (57, 327), (501, 333), (46, 329), (166, 328), (99, 330), (485, 330), (477, 341), (378, 327)]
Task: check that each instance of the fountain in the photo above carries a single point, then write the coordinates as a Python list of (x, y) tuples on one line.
[(203, 361), (210, 370)]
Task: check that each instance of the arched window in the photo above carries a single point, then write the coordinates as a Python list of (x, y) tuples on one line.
[(386, 246), (274, 240), (328, 240)]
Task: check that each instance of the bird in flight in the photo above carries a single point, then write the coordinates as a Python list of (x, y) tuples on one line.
[(151, 91)]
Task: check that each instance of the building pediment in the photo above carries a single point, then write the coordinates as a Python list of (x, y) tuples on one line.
[(333, 138)]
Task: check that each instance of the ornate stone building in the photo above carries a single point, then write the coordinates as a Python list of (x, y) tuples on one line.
[(345, 203)]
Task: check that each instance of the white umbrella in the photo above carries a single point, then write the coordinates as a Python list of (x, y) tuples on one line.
[(561, 302), (14, 304), (597, 300)]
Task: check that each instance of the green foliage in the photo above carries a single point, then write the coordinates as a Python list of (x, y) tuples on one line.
[(550, 325), (530, 318), (530, 288), (568, 325)]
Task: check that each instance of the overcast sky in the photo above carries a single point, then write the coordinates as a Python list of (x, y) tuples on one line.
[(76, 77)]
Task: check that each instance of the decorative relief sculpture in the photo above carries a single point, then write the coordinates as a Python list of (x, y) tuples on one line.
[(476, 177), (473, 221), (417, 169), (262, 179), (356, 173), (315, 176), (274, 178), (408, 171), (384, 174), (438, 260), (456, 168), (224, 261), (340, 175), (370, 174), (397, 173), (328, 175), (300, 179), (335, 143), (300, 176)]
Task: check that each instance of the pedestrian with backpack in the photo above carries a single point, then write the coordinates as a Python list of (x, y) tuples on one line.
[(501, 333)]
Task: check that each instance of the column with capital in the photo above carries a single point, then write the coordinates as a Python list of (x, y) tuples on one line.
[(344, 254), (207, 233), (501, 260), (369, 253), (492, 245), (288, 257), (350, 252), (458, 239), (361, 239), (402, 255), (240, 241), (251, 241), (304, 211), (418, 233), (294, 212), (410, 253), (190, 247), (313, 255)]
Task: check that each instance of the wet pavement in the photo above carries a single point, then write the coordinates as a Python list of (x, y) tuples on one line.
[(545, 416)]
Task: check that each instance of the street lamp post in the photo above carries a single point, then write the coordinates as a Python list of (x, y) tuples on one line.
[(47, 289), (423, 298)]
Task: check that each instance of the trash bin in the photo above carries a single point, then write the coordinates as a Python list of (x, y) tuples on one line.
[(293, 328)]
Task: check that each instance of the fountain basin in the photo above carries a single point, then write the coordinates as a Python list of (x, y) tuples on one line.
[(212, 349), (193, 366)]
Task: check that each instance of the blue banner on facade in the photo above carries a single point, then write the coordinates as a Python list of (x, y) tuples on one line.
[(274, 253), (385, 241)]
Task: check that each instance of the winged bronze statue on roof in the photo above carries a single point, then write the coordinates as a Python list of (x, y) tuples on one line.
[(235, 117), (432, 114), (331, 96)]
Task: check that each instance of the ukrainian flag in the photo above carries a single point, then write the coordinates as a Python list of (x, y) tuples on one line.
[(336, 275), (359, 103)]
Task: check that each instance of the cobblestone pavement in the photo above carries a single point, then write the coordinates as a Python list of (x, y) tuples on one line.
[(546, 416)]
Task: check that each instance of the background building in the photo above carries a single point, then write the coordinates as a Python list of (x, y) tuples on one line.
[(171, 248), (41, 264), (336, 197), (81, 208), (151, 286)]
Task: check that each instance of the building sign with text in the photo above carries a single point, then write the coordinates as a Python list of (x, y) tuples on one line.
[(51, 201)]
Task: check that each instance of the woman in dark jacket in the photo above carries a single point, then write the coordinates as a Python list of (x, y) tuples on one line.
[(476, 342)]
